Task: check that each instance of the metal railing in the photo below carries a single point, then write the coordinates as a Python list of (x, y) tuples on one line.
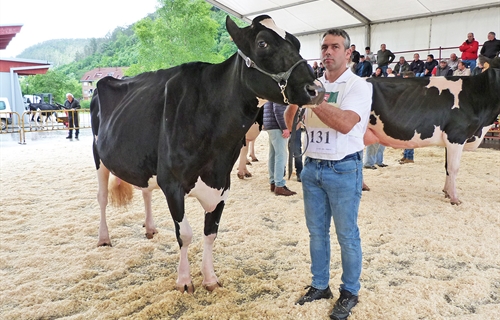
[(44, 120)]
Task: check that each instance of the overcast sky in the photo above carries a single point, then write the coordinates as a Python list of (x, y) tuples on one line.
[(58, 19)]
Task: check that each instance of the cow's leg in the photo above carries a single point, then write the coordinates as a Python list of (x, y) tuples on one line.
[(147, 194), (212, 219), (251, 148), (184, 237), (242, 165), (175, 199), (102, 198), (453, 155)]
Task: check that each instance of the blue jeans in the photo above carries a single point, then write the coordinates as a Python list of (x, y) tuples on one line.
[(277, 157), (332, 189), (408, 154), (374, 154), (419, 74), (470, 63), (384, 70), (297, 151)]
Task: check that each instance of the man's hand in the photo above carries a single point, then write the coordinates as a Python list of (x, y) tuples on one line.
[(286, 133)]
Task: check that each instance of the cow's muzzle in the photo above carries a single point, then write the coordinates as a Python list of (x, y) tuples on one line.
[(316, 92)]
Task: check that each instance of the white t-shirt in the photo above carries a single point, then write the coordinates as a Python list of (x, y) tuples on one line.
[(349, 92)]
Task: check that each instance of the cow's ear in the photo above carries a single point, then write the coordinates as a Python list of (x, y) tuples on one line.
[(296, 43), (236, 33)]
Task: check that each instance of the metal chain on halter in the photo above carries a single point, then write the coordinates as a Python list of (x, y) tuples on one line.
[(278, 77)]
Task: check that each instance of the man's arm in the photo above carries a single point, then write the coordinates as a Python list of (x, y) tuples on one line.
[(341, 120)]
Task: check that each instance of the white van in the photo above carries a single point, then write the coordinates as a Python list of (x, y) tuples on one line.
[(5, 113)]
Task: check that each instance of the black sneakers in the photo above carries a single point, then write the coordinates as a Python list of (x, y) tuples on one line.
[(342, 307), (315, 294)]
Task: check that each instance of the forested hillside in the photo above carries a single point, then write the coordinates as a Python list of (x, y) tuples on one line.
[(58, 51), (179, 31)]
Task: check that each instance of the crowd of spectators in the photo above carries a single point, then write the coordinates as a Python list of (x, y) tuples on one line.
[(471, 61)]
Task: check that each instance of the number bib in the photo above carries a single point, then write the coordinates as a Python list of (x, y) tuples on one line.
[(321, 138)]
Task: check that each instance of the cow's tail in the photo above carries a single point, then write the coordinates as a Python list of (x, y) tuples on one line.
[(120, 193)]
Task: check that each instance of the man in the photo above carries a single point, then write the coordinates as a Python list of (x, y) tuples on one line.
[(332, 177), (417, 66), (491, 48), (364, 68), (384, 58), (401, 67), (369, 56), (429, 65), (443, 70), (71, 104), (354, 55), (274, 124), (453, 62), (469, 51), (462, 70)]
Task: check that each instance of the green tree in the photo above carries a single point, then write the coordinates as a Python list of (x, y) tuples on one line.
[(183, 31), (54, 82)]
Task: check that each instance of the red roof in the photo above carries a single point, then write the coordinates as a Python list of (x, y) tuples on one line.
[(98, 73), (7, 32)]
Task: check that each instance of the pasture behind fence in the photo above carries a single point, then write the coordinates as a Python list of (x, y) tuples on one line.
[(46, 120)]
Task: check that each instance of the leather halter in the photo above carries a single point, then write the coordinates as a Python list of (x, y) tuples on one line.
[(280, 78)]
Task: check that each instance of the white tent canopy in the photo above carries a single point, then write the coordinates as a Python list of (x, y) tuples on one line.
[(401, 24)]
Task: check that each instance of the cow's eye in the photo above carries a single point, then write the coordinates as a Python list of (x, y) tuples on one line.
[(262, 44)]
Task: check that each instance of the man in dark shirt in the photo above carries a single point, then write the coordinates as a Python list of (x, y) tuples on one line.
[(417, 66), (384, 58), (491, 48), (429, 65)]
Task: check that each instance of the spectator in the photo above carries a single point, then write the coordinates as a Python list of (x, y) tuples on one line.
[(480, 65), (364, 68), (321, 70), (401, 67), (374, 156), (491, 48), (354, 54), (315, 68), (369, 56), (378, 73), (408, 74), (417, 66), (469, 51), (408, 155), (429, 65), (453, 62), (462, 70), (390, 73), (274, 124), (442, 70), (384, 58), (72, 105)]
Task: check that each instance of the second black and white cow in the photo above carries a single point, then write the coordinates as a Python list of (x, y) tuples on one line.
[(185, 126), (454, 112)]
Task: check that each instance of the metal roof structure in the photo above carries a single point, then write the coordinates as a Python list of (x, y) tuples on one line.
[(303, 17)]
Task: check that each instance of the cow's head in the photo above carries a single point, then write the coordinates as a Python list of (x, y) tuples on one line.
[(274, 68)]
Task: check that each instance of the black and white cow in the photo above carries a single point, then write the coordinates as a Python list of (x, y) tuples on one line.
[(185, 126), (454, 112), (43, 112)]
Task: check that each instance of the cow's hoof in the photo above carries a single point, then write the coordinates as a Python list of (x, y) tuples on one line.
[(255, 160), (241, 175), (248, 163), (212, 286), (150, 235), (185, 288), (104, 244), (248, 175), (458, 202)]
